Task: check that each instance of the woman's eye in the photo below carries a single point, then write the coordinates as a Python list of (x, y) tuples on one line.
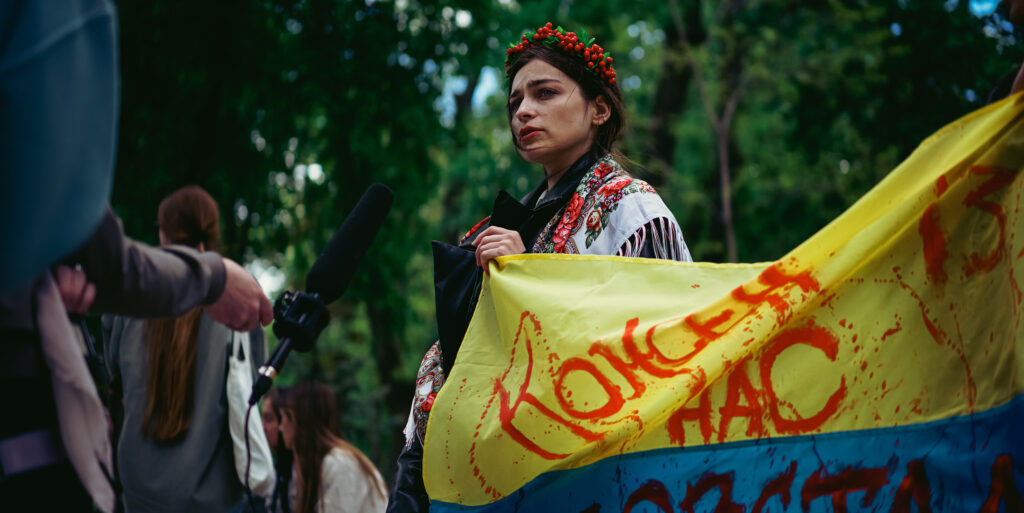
[(544, 93), (513, 106)]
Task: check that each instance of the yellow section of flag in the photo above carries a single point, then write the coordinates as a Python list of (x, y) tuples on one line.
[(905, 309)]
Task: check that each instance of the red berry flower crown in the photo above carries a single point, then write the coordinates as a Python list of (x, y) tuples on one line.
[(572, 43)]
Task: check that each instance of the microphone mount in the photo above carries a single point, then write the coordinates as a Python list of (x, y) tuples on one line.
[(299, 317)]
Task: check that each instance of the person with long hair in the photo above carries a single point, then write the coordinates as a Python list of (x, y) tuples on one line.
[(330, 474), (174, 450), (565, 113)]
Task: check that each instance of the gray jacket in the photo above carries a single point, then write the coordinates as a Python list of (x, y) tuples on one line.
[(196, 473)]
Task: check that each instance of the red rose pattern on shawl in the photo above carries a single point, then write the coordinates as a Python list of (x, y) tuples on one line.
[(613, 187), (608, 198), (603, 170), (593, 220), (567, 226)]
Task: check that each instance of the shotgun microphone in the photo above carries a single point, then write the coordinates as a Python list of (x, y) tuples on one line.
[(299, 317)]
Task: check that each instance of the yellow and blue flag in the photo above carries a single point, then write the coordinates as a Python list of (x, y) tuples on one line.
[(879, 366)]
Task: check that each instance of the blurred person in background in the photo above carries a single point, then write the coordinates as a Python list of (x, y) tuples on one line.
[(175, 451), (330, 475)]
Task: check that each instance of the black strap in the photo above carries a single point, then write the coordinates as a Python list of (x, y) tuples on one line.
[(93, 358)]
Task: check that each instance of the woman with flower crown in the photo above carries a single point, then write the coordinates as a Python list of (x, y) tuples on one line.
[(565, 112)]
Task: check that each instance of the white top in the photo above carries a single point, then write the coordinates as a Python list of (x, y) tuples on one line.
[(345, 488)]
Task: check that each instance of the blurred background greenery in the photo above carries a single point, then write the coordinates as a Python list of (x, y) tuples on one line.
[(286, 110)]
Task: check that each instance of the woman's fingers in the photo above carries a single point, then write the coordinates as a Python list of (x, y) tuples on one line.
[(495, 242), (495, 234), (488, 231)]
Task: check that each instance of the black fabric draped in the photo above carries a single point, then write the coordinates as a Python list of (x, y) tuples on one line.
[(456, 275)]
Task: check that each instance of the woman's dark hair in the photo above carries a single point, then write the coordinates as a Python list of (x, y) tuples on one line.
[(282, 456), (188, 216), (591, 86), (314, 414)]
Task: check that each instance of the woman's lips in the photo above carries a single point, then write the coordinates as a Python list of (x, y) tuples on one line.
[(528, 133)]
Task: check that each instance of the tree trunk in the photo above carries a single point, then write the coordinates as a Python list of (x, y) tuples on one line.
[(724, 175), (731, 91), (464, 100), (670, 94), (731, 85)]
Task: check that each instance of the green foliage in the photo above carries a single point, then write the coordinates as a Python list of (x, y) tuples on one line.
[(287, 110)]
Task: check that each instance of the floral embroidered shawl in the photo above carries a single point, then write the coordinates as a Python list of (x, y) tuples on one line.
[(607, 208)]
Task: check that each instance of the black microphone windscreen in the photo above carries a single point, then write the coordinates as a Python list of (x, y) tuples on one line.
[(335, 267)]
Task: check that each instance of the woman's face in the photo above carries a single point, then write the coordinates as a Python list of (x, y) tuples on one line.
[(270, 425), (287, 428), (551, 120)]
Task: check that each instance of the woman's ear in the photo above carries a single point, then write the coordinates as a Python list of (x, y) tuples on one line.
[(602, 111)]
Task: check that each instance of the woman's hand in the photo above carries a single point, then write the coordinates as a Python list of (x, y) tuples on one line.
[(495, 242), (75, 289)]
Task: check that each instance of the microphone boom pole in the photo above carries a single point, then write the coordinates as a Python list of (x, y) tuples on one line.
[(299, 317)]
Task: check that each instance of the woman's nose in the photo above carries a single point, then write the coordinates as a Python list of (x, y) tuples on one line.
[(525, 111)]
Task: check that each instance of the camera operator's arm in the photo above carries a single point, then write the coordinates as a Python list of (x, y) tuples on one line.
[(138, 280)]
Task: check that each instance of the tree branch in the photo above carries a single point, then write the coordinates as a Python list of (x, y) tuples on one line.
[(698, 74)]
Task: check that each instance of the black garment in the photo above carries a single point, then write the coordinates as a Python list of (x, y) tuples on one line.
[(30, 407), (23, 374), (409, 494)]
